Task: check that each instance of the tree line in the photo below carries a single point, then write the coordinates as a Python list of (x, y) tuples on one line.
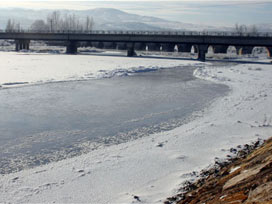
[(55, 21), (243, 29), (70, 22)]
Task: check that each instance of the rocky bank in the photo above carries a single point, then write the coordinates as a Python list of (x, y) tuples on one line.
[(245, 179)]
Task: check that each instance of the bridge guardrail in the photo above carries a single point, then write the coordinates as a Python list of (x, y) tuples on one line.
[(118, 32)]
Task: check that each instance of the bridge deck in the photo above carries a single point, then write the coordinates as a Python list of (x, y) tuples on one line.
[(201, 39), (261, 39)]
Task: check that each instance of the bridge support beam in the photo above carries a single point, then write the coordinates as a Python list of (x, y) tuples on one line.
[(202, 50), (184, 48), (22, 45), (168, 47), (130, 50), (220, 49), (269, 50), (154, 47), (71, 47)]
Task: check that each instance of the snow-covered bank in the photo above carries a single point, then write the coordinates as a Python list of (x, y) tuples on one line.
[(31, 68), (153, 167)]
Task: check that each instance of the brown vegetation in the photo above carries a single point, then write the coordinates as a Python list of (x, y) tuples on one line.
[(246, 180)]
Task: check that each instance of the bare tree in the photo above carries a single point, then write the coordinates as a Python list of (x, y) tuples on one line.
[(89, 23), (243, 29), (253, 29), (18, 26), (68, 22), (240, 29), (72, 23), (12, 26), (9, 26), (39, 25), (53, 20)]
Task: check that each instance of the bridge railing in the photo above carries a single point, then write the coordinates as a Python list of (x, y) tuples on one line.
[(118, 32)]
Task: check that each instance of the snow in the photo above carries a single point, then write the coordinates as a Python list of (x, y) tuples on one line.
[(151, 168), (33, 68)]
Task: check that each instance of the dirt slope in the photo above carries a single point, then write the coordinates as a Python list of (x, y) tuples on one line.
[(247, 179)]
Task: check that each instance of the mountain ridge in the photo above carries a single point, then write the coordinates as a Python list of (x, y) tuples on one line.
[(111, 19)]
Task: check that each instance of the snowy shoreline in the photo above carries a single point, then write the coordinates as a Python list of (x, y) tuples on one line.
[(154, 166), (24, 69)]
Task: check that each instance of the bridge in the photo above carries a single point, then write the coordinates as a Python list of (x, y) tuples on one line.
[(140, 40)]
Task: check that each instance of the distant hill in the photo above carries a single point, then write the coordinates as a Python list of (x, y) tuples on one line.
[(111, 19)]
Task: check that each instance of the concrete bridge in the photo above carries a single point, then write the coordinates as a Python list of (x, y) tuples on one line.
[(154, 41)]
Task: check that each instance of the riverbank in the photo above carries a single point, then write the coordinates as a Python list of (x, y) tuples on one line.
[(245, 178), (152, 168)]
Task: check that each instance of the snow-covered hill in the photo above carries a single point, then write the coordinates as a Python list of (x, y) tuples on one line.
[(105, 19), (110, 19)]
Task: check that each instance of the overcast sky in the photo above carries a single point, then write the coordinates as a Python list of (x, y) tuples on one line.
[(216, 12)]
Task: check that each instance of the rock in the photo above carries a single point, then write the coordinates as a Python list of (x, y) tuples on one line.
[(137, 198), (15, 179), (233, 150), (260, 194), (234, 198), (160, 145)]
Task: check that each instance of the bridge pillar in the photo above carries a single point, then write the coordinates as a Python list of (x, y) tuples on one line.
[(166, 47), (238, 50), (269, 49), (140, 46), (22, 45), (202, 50), (130, 50), (71, 47), (154, 47), (184, 48), (220, 49)]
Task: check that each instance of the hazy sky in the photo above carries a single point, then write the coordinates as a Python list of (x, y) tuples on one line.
[(216, 12)]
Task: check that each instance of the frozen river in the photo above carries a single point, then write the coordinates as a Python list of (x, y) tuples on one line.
[(53, 121)]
